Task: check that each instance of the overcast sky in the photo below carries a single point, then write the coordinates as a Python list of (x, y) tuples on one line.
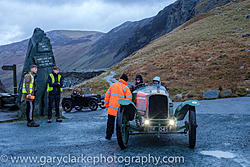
[(18, 18)]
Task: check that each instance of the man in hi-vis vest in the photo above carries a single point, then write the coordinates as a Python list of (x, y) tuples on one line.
[(54, 89), (28, 94), (118, 90)]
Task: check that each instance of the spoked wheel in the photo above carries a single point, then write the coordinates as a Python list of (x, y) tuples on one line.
[(192, 127), (122, 129), (67, 106), (78, 108), (93, 105)]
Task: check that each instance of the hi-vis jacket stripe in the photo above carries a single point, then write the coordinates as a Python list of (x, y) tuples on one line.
[(115, 92)]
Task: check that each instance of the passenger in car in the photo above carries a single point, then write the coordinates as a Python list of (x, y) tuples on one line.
[(157, 83), (80, 92)]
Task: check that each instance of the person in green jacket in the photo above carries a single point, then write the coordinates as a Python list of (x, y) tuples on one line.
[(28, 94)]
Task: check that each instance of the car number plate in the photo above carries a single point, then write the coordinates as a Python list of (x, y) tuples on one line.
[(155, 129)]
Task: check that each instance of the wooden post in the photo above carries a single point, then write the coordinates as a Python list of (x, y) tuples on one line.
[(14, 79)]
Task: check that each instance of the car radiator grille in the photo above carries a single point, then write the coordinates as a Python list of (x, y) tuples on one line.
[(158, 107)]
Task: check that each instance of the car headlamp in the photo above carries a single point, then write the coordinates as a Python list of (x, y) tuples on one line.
[(171, 122), (146, 122)]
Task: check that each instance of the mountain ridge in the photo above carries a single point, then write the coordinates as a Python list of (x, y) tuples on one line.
[(96, 50), (208, 52)]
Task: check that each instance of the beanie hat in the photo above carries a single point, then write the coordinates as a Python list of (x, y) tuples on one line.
[(139, 77), (124, 77)]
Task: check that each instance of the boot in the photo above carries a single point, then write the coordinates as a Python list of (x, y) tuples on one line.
[(58, 119), (108, 137), (32, 124)]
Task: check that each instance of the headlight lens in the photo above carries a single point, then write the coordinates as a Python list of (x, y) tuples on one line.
[(146, 122), (171, 122)]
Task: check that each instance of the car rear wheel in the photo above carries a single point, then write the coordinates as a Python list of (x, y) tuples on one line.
[(67, 106), (192, 127), (122, 129), (93, 105), (102, 105)]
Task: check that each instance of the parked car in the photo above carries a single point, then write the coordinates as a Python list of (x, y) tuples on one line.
[(151, 112), (92, 101)]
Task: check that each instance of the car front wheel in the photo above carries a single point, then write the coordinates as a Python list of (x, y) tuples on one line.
[(192, 127), (122, 129), (67, 106)]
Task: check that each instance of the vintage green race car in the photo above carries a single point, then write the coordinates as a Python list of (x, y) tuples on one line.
[(152, 112)]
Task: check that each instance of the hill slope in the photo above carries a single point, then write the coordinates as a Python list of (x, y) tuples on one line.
[(106, 47), (123, 40), (205, 53)]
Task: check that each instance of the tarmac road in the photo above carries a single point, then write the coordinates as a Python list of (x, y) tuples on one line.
[(223, 139)]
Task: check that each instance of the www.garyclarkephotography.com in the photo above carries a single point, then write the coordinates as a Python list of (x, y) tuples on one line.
[(125, 83)]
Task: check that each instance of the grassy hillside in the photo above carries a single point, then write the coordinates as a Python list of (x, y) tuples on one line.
[(207, 52)]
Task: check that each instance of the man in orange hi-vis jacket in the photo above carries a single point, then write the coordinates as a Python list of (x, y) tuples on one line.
[(118, 90)]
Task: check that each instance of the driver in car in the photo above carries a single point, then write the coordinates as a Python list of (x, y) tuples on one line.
[(80, 93), (138, 83), (74, 94)]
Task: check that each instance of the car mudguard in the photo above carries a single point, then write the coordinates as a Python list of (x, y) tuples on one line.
[(171, 107), (129, 108), (183, 108)]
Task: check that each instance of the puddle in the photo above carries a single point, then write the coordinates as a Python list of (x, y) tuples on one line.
[(219, 154), (222, 154), (235, 117)]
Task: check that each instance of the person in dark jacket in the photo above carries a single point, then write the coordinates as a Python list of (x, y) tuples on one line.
[(76, 96), (138, 83), (54, 89)]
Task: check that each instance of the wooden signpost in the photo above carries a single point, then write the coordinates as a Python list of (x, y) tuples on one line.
[(12, 68)]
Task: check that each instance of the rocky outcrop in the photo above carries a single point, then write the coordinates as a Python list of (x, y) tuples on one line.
[(165, 21), (226, 92), (246, 35), (211, 94)]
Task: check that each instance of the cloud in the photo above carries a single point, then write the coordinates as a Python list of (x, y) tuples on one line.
[(9, 33), (18, 18)]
